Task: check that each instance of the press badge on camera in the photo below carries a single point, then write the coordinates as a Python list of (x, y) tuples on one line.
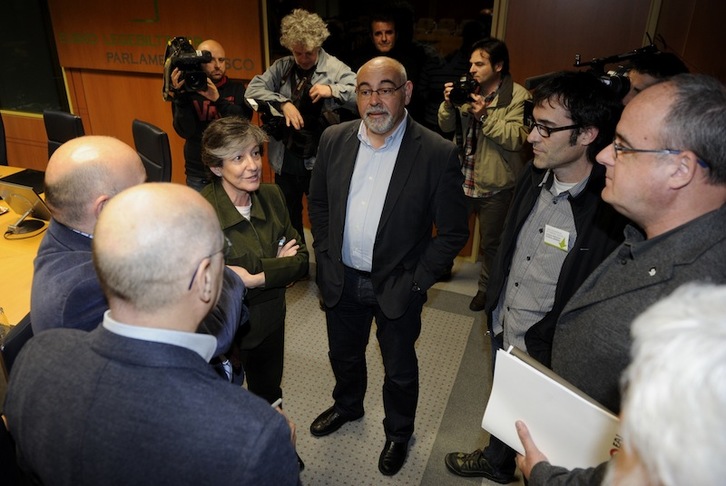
[(556, 237)]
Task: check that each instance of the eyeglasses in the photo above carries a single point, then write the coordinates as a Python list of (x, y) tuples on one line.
[(546, 131), (618, 148), (381, 92), (227, 246)]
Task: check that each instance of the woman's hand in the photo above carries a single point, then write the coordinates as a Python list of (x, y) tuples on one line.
[(250, 280), (289, 249)]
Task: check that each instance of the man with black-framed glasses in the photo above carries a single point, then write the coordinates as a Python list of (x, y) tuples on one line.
[(557, 231), (666, 171)]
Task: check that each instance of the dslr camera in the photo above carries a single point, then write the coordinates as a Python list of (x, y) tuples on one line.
[(181, 54), (463, 88)]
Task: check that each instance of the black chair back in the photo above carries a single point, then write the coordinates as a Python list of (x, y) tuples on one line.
[(3, 144), (61, 127), (152, 144), (13, 343)]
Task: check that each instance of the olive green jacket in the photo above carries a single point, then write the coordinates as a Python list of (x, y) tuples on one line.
[(254, 247)]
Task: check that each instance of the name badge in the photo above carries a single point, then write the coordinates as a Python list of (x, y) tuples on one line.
[(556, 238)]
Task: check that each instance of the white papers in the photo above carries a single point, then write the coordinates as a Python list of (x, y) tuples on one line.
[(568, 427)]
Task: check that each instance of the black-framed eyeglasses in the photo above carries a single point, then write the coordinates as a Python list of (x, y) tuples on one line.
[(546, 131), (623, 149), (226, 247), (381, 92)]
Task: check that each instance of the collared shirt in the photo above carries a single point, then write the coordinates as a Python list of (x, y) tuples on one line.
[(367, 195), (202, 344), (529, 291)]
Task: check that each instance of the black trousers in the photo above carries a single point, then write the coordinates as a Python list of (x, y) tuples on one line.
[(294, 187), (497, 453), (349, 324), (263, 366)]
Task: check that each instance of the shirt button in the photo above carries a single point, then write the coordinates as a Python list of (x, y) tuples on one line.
[(516, 284), (541, 230), (529, 258)]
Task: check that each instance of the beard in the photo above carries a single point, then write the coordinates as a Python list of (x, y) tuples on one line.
[(379, 125)]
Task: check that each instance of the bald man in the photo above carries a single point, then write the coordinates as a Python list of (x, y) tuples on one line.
[(194, 111), (80, 179), (135, 401)]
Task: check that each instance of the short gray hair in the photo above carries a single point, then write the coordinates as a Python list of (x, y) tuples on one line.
[(696, 121), (225, 137), (674, 407)]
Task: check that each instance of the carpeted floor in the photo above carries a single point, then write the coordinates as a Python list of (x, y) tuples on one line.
[(455, 379), (454, 360)]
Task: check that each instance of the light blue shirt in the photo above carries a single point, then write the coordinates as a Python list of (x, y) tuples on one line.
[(202, 344), (367, 194)]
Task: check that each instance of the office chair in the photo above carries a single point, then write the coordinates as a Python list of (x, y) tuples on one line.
[(10, 472), (13, 342), (152, 144), (3, 145), (61, 127)]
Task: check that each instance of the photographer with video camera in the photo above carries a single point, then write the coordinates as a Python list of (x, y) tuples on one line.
[(486, 108), (195, 107), (298, 97)]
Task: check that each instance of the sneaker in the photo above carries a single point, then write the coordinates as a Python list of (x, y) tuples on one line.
[(475, 465), (478, 302)]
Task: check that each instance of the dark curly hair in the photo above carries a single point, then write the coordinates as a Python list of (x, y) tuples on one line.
[(588, 101)]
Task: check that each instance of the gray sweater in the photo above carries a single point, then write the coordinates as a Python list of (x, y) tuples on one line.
[(592, 339)]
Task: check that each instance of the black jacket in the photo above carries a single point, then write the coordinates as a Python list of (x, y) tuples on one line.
[(193, 113), (599, 232)]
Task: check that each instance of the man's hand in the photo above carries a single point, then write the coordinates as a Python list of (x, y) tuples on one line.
[(478, 106), (292, 115), (176, 82), (211, 93), (320, 91), (532, 456), (447, 91)]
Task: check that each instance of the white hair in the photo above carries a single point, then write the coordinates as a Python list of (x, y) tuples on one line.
[(674, 406)]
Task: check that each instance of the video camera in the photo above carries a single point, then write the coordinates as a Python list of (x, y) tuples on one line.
[(463, 89), (181, 54), (617, 80)]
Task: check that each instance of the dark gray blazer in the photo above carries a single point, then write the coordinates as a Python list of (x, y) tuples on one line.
[(425, 191), (98, 408), (66, 291)]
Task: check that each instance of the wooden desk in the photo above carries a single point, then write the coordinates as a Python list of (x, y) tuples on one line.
[(16, 264)]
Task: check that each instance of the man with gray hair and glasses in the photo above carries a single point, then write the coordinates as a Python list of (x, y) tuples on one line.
[(666, 171)]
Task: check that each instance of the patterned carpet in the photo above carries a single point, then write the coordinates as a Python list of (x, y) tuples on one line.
[(454, 379)]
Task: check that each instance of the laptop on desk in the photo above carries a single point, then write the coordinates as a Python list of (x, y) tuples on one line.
[(27, 177)]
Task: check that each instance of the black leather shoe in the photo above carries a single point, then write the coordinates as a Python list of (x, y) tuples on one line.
[(392, 457), (478, 302), (328, 422)]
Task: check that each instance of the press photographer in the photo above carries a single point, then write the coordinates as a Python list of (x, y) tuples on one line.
[(198, 100), (486, 109), (298, 97)]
